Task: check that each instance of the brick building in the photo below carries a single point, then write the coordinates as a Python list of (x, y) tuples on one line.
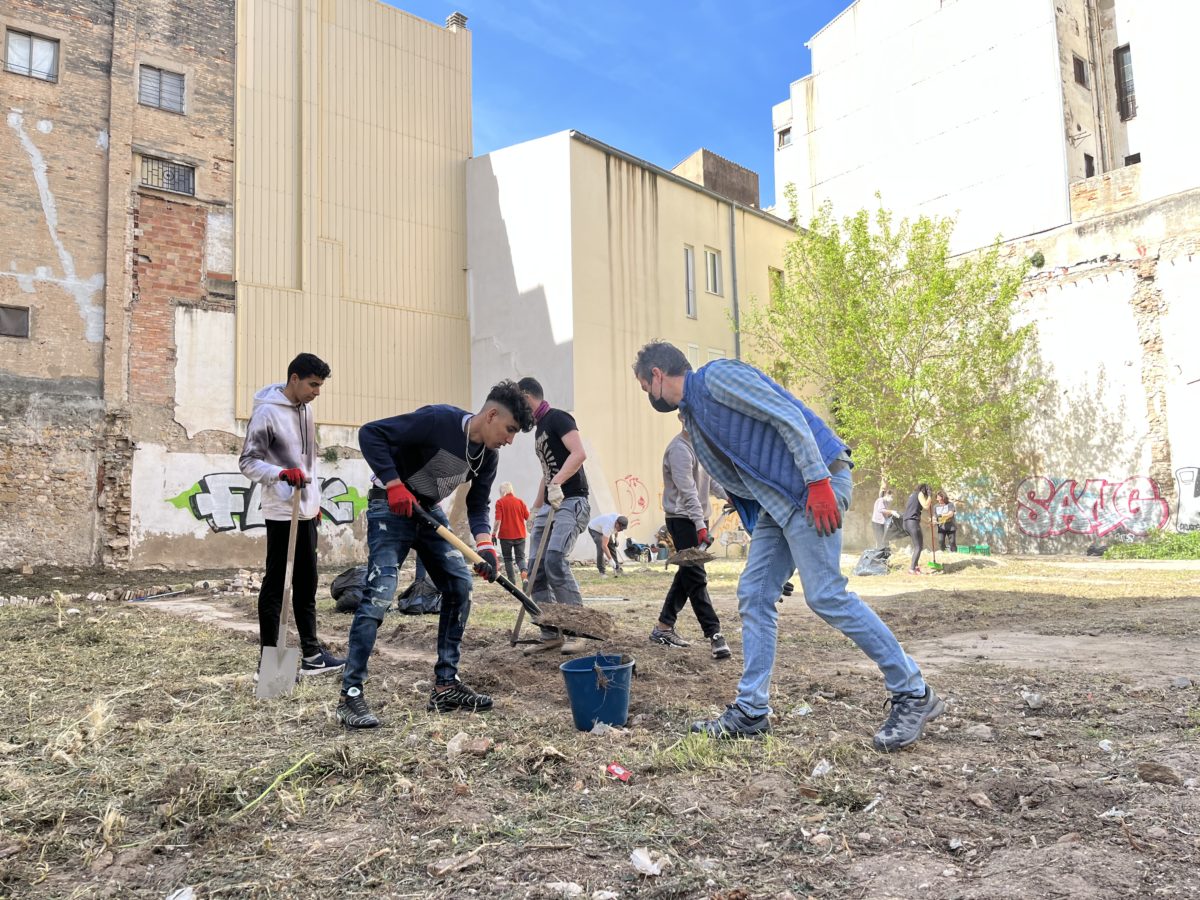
[(117, 208), (137, 315)]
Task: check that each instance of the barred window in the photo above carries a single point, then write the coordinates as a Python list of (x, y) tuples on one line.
[(161, 89), (1123, 69), (168, 176), (29, 54)]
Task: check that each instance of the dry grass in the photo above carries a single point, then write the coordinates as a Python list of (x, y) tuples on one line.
[(134, 759)]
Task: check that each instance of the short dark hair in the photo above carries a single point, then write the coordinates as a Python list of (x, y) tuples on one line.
[(306, 365), (532, 387), (660, 355), (508, 394)]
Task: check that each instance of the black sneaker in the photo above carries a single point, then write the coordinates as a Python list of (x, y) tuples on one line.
[(720, 648), (353, 711), (458, 696), (906, 720), (733, 723), (667, 637), (324, 663)]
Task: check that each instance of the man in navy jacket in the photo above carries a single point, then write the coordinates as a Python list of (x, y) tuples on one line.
[(421, 457), (788, 475)]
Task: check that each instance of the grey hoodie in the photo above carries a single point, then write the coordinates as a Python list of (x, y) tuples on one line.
[(281, 435), (686, 486)]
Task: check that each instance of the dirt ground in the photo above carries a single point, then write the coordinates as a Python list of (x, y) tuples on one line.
[(135, 761)]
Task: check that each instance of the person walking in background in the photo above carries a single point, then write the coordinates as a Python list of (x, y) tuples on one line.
[(280, 453), (685, 499), (918, 502), (788, 475), (947, 528), (511, 515), (881, 517), (562, 506), (604, 530)]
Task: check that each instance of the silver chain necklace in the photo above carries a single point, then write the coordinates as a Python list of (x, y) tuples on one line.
[(477, 461)]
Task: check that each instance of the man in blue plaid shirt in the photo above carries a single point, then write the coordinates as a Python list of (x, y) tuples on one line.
[(788, 475)]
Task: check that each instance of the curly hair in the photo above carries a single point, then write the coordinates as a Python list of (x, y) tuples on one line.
[(660, 355), (508, 394)]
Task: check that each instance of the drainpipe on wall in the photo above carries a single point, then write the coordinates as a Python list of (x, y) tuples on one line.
[(737, 322)]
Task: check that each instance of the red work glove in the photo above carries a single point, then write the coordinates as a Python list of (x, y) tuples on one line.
[(489, 566), (400, 499), (294, 477), (702, 537), (824, 514)]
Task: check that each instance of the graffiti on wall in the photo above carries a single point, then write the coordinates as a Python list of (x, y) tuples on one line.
[(1098, 507), (228, 501), (978, 513), (633, 498), (1187, 515)]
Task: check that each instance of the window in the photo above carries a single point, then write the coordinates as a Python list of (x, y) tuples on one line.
[(689, 281), (774, 280), (694, 356), (28, 54), (161, 89), (1089, 165), (712, 271), (785, 137), (14, 321), (1133, 159), (168, 176), (1080, 71), (1123, 69), (715, 354)]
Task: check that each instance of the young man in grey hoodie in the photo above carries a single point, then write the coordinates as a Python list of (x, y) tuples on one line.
[(280, 453)]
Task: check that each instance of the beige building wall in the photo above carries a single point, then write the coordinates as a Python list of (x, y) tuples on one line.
[(631, 224), (354, 126), (577, 259)]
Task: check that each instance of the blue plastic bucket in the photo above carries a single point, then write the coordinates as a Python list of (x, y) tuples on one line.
[(598, 688)]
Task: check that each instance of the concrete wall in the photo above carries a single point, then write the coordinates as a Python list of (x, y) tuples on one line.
[(948, 109)]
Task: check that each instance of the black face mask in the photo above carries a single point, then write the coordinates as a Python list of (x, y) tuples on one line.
[(659, 404)]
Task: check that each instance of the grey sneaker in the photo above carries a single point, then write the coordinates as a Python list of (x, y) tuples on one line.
[(733, 723), (720, 648), (353, 711), (667, 637), (906, 720)]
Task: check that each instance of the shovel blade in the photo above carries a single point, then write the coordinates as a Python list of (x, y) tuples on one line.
[(277, 672)]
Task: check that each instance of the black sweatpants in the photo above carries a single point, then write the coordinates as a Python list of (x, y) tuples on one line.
[(690, 583), (304, 584), (918, 540)]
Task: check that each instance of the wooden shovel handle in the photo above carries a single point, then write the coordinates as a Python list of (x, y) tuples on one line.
[(469, 552)]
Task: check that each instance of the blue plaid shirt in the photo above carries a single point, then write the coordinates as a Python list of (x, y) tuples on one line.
[(744, 390)]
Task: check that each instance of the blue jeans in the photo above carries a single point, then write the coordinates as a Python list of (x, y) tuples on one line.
[(389, 538), (554, 582), (775, 550)]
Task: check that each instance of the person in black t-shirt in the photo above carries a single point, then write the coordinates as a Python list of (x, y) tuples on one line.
[(562, 505), (918, 502)]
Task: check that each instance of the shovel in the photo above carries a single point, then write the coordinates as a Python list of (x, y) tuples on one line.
[(537, 564), (278, 664), (596, 621)]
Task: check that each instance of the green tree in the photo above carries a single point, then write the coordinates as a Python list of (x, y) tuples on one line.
[(916, 354)]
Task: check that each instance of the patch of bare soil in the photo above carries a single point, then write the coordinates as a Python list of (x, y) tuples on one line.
[(134, 759)]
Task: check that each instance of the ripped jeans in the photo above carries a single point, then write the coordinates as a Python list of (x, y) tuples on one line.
[(389, 538)]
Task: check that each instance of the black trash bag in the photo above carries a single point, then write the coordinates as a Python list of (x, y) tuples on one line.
[(419, 598), (873, 562), (348, 589)]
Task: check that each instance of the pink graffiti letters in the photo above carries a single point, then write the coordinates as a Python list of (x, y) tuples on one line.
[(1099, 507)]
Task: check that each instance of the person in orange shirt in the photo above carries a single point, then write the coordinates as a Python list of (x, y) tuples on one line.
[(511, 515)]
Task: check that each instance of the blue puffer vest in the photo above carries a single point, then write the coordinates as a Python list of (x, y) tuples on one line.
[(754, 446)]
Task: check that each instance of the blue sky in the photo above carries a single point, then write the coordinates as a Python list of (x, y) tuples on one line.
[(655, 79)]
